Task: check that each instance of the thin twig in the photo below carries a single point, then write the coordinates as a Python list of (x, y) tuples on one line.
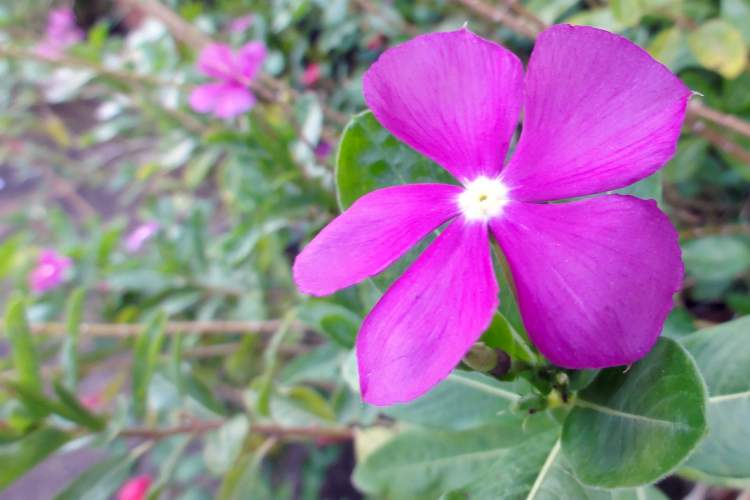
[(124, 330), (731, 122), (327, 434), (720, 229)]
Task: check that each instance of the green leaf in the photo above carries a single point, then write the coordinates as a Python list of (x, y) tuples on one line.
[(502, 460), (510, 459), (463, 401), (737, 12), (716, 258), (370, 158), (75, 411), (69, 350), (687, 161), (627, 12), (649, 188), (145, 358), (224, 445), (631, 427), (23, 351), (18, 457), (502, 335), (100, 480), (723, 357), (335, 321), (719, 46), (669, 46)]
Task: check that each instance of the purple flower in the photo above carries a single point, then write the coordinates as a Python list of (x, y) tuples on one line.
[(241, 24), (323, 149), (62, 32), (594, 277), (49, 271), (230, 95), (140, 235)]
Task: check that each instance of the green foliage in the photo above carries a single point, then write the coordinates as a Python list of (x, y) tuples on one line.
[(655, 412), (259, 384)]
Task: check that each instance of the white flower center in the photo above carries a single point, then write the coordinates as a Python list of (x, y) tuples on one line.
[(483, 198)]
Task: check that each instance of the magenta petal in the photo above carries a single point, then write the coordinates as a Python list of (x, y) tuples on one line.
[(249, 59), (424, 324), (233, 100), (217, 60), (454, 97), (594, 278), (204, 97), (600, 113), (369, 236)]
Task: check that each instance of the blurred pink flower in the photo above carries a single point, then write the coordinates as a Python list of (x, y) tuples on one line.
[(311, 75), (323, 149), (230, 95), (49, 271), (241, 24), (140, 235), (92, 401), (135, 488), (62, 32)]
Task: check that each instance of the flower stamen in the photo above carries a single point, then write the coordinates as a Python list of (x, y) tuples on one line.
[(483, 198)]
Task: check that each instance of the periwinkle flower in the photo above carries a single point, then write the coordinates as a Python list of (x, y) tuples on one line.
[(594, 277), (140, 235), (61, 33), (49, 271), (135, 488), (311, 74), (241, 24), (230, 96)]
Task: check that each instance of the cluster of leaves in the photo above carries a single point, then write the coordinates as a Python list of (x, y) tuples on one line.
[(102, 138)]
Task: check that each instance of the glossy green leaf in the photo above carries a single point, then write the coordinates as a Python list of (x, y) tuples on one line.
[(716, 258), (224, 445), (631, 427), (719, 46), (499, 461), (69, 350), (502, 335), (145, 358), (462, 401), (723, 357), (23, 350), (18, 457), (370, 158)]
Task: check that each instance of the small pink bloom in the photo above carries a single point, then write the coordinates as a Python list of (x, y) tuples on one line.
[(323, 149), (135, 488), (594, 277), (92, 401), (241, 24), (230, 95), (140, 235), (376, 42), (61, 33), (311, 75), (49, 271)]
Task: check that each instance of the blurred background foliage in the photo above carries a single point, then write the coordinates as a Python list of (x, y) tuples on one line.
[(192, 359)]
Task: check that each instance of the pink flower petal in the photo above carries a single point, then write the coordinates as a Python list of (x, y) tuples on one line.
[(429, 318), (135, 488), (375, 231), (600, 113), (204, 97), (233, 100), (454, 97), (249, 60), (594, 278), (217, 60)]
